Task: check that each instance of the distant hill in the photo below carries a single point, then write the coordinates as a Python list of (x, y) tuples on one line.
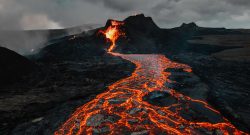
[(13, 66)]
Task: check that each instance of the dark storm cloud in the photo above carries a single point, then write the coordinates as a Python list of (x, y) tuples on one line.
[(121, 6), (37, 14), (239, 2), (214, 13)]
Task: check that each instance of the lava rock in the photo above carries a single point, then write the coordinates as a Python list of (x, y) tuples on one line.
[(133, 121), (101, 130), (98, 119), (144, 132), (95, 120), (13, 66), (117, 100), (159, 98), (135, 110)]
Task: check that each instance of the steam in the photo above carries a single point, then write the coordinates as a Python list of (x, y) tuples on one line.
[(38, 21), (82, 28), (24, 42), (37, 31), (27, 41)]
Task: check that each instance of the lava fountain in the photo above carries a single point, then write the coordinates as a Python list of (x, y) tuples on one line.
[(122, 108), (112, 33)]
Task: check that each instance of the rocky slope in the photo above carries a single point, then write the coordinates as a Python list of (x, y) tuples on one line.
[(13, 66), (68, 74)]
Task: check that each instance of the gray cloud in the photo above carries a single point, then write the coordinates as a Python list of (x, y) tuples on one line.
[(213, 13), (43, 14), (124, 5)]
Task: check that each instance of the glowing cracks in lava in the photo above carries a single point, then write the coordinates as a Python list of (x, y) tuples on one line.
[(112, 33), (121, 109)]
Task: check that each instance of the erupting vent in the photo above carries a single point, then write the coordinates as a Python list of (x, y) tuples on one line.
[(112, 33)]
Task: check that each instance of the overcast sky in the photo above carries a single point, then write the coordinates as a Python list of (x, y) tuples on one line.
[(44, 14)]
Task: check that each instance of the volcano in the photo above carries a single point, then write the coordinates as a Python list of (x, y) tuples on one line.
[(132, 77)]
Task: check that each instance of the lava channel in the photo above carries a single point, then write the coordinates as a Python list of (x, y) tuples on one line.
[(122, 109)]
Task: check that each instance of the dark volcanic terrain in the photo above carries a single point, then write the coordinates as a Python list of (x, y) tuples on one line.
[(55, 83), (40, 91)]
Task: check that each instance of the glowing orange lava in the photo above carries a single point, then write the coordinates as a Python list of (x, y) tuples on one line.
[(112, 33), (122, 110)]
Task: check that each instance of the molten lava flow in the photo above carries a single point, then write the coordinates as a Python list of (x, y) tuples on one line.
[(123, 110), (112, 33)]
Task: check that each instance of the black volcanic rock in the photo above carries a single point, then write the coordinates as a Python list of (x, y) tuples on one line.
[(70, 48), (13, 66), (159, 98), (188, 28), (139, 31), (141, 23), (189, 25), (109, 22)]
